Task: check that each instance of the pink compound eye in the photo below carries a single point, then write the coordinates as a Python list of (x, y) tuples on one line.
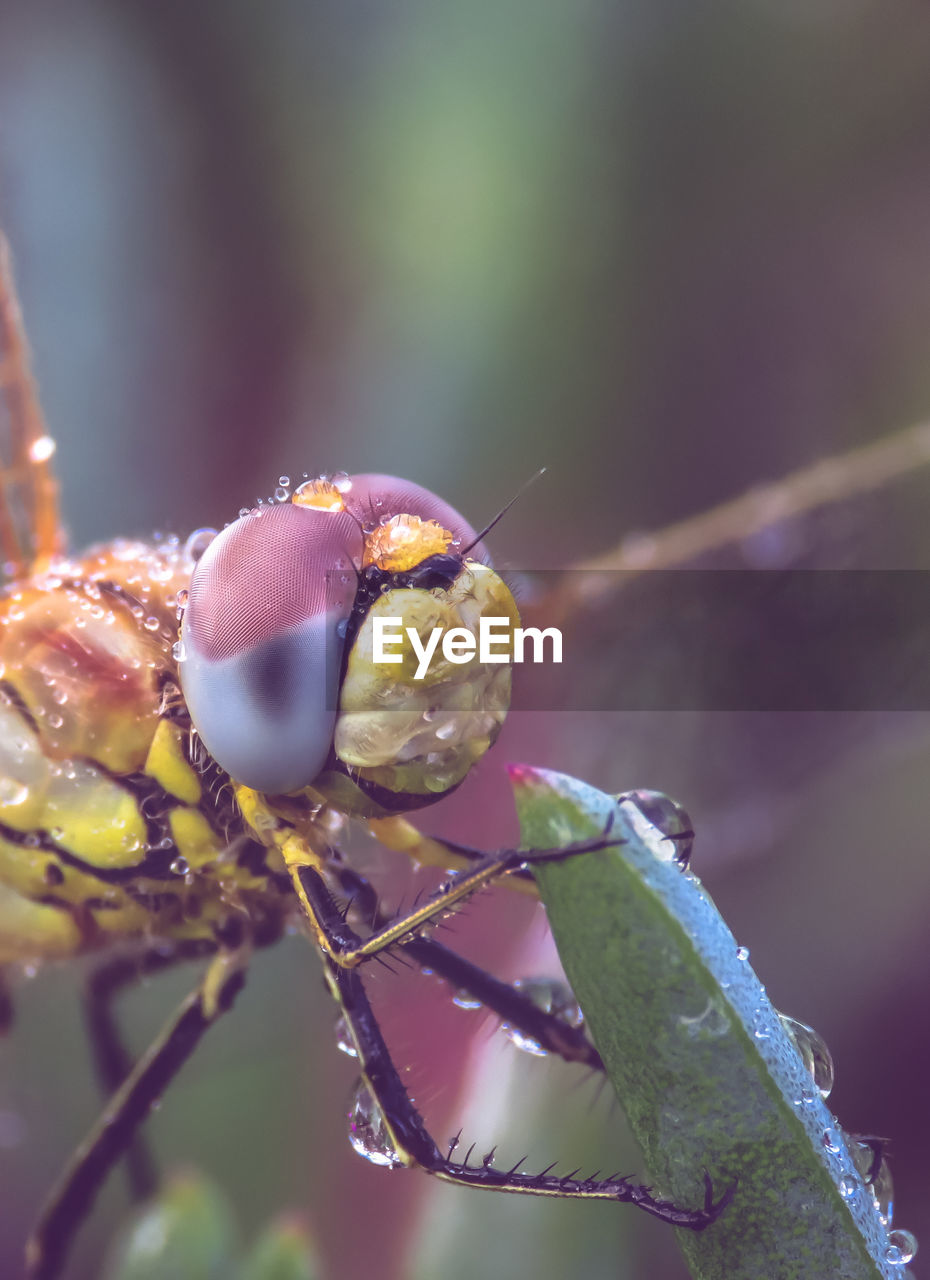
[(261, 641)]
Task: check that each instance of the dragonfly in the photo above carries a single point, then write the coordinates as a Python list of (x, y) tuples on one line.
[(186, 728)]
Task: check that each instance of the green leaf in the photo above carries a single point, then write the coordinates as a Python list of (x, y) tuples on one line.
[(187, 1232), (697, 1055)]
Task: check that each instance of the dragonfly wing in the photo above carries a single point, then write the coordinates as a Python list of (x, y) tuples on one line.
[(30, 525)]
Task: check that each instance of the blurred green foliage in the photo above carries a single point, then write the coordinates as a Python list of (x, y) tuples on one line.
[(188, 1233), (668, 250)]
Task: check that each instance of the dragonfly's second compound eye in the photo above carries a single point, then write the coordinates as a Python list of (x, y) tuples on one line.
[(261, 642), (410, 728)]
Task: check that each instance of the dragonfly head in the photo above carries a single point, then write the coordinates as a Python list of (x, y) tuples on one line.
[(285, 665)]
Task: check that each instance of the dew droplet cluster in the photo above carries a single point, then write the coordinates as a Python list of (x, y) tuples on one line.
[(797, 1057)]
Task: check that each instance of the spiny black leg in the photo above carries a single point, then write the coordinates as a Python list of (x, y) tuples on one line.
[(347, 949), (552, 1033), (684, 840), (414, 1146), (73, 1195), (112, 1062), (472, 856), (879, 1148)]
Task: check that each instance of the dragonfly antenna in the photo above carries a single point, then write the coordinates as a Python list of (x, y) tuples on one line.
[(503, 511)]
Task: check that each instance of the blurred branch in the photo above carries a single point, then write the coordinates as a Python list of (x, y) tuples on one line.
[(831, 480)]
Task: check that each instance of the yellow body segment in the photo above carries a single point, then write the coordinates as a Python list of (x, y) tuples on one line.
[(107, 829), (91, 816), (167, 764)]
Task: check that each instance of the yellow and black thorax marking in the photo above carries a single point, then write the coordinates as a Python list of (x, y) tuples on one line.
[(106, 827)]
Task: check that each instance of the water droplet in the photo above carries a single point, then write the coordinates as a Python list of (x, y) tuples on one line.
[(281, 493), (742, 953), (814, 1053), (552, 996), (151, 624), (367, 1131), (849, 1187), (465, 1000), (675, 839), (344, 1042), (902, 1248), (833, 1141), (284, 482), (55, 721), (180, 866), (41, 449), (12, 792), (178, 651), (712, 1021), (194, 548), (761, 1027), (863, 1151), (868, 1157), (882, 1189)]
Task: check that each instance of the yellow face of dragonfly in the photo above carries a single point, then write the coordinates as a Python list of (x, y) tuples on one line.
[(283, 664)]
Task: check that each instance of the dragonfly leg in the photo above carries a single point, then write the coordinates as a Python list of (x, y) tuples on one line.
[(413, 1146), (552, 1033), (347, 950), (401, 836), (112, 1062), (108, 1140)]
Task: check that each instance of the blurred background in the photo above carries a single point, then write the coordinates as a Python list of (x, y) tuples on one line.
[(668, 251)]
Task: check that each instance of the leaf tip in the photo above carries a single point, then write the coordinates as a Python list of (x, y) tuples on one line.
[(528, 776)]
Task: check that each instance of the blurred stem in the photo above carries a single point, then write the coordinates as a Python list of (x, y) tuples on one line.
[(831, 480)]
